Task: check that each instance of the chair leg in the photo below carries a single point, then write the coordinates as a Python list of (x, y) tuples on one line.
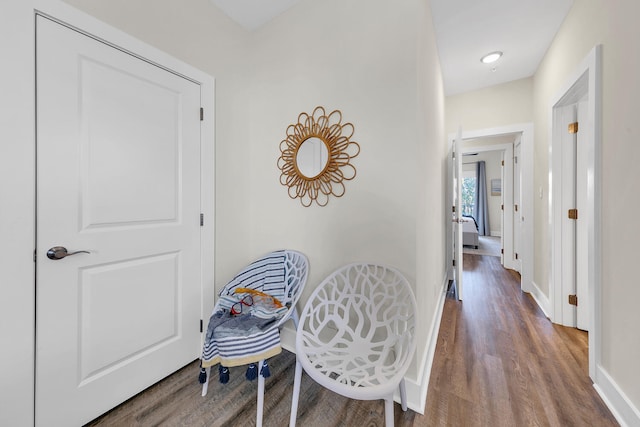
[(205, 386), (388, 411), (403, 395), (260, 395), (297, 379)]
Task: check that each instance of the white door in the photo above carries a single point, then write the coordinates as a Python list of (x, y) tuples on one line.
[(582, 231), (457, 212), (118, 143), (517, 207), (568, 266), (504, 230)]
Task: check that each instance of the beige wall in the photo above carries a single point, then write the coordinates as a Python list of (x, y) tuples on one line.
[(500, 105), (612, 23), (376, 62), (387, 83)]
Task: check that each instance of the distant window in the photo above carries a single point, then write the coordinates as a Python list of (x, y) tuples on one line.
[(468, 192)]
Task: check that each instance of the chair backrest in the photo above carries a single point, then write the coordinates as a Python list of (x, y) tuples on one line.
[(281, 274), (357, 331)]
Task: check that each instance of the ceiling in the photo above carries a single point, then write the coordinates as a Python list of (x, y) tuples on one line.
[(465, 31), (252, 14)]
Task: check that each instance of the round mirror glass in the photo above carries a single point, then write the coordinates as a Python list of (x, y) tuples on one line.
[(312, 157)]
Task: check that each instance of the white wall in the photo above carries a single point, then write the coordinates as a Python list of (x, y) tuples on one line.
[(17, 181), (375, 61), (614, 25)]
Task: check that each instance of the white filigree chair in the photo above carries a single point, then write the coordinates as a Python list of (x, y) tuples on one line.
[(280, 274), (357, 335)]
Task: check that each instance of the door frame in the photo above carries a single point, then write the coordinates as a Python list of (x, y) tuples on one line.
[(586, 79), (506, 198), (526, 129), (17, 166)]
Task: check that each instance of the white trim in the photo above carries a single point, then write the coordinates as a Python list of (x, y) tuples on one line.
[(526, 165), (288, 337), (590, 67), (540, 298), (618, 403), (417, 389)]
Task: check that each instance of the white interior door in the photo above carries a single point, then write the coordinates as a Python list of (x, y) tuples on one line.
[(118, 176), (583, 319), (517, 207), (568, 266), (504, 230), (457, 213)]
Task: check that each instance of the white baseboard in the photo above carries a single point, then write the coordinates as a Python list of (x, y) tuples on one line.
[(495, 233), (540, 298), (288, 337), (618, 403), (417, 390)]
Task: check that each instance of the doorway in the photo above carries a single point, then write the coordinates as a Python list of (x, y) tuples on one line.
[(576, 271), (525, 207), (483, 163)]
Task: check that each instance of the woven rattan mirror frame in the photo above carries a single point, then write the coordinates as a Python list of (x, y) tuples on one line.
[(338, 168)]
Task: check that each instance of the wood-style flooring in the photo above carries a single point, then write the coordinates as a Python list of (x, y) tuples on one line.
[(499, 362)]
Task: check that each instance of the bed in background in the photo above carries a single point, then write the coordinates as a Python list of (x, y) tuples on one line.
[(469, 231)]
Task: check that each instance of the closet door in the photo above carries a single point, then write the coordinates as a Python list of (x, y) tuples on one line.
[(118, 193)]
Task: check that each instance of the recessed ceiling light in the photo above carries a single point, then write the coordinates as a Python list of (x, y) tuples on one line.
[(491, 57)]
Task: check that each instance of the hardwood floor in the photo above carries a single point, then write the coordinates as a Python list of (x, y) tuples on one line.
[(499, 362)]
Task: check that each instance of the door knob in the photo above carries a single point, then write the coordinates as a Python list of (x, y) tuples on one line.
[(59, 252)]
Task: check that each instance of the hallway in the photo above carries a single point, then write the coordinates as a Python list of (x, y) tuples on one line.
[(500, 362)]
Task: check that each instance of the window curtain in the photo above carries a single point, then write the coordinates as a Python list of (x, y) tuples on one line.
[(481, 207)]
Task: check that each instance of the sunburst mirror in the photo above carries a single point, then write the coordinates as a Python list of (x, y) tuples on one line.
[(316, 157)]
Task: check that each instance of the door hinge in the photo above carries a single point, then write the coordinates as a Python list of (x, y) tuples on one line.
[(201, 325), (515, 159), (516, 255), (35, 255), (201, 114), (573, 300), (573, 213), (502, 251), (501, 207), (453, 209), (454, 262), (201, 220), (516, 207), (503, 163), (573, 127)]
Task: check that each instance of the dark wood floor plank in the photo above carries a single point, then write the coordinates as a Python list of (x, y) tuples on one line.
[(499, 362)]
